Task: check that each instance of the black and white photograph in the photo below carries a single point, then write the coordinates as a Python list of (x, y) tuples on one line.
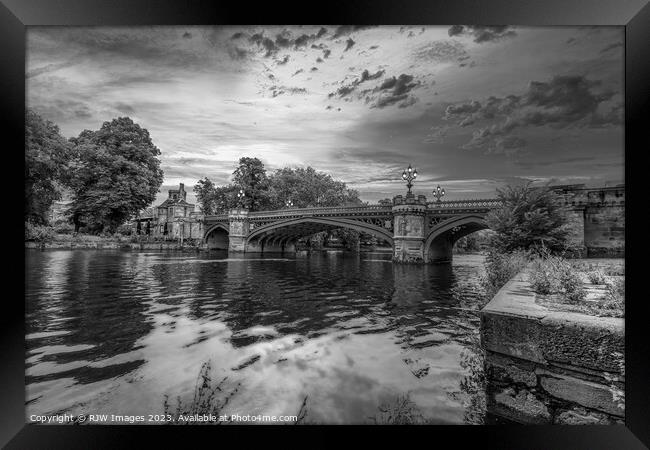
[(325, 225)]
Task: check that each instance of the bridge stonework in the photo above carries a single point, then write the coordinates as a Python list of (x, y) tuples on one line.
[(418, 231)]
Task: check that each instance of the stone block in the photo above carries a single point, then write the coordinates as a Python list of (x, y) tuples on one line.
[(522, 406), (507, 370), (582, 392), (509, 335), (582, 340)]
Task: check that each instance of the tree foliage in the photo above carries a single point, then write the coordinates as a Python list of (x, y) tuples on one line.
[(116, 174), (530, 218), (305, 187), (47, 157), (250, 176)]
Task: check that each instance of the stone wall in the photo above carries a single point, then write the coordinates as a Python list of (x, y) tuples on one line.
[(603, 214), (549, 367)]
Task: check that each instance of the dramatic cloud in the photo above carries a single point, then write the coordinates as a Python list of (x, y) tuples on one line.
[(210, 95), (365, 76), (563, 101), (482, 33)]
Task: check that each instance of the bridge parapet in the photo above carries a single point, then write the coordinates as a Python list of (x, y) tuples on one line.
[(488, 203), (322, 211)]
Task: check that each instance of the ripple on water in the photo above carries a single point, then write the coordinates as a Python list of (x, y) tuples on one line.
[(115, 331)]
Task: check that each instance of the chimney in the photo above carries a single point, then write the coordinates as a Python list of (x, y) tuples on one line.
[(182, 191)]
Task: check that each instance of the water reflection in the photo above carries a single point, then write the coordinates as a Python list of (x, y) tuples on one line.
[(111, 330)]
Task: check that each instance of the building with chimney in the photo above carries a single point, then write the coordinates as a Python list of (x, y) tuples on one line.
[(173, 218)]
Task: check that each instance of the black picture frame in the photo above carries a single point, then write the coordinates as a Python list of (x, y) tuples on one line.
[(634, 15)]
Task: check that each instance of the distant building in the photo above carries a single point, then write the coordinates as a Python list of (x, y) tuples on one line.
[(175, 205), (173, 218)]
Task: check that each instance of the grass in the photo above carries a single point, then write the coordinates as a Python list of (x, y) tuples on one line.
[(209, 399), (500, 268), (577, 287)]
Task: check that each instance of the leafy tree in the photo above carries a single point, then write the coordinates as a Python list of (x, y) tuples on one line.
[(116, 174), (530, 218), (47, 156), (250, 176), (306, 187), (215, 199)]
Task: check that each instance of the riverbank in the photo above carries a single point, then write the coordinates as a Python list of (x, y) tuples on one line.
[(82, 241)]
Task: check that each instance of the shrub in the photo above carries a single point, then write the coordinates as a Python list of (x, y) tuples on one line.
[(596, 277), (501, 267), (531, 218), (615, 295), (124, 230), (63, 227), (555, 275), (38, 233)]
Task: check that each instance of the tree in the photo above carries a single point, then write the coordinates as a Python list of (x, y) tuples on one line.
[(306, 187), (215, 199), (47, 156), (116, 174), (250, 176), (530, 218)]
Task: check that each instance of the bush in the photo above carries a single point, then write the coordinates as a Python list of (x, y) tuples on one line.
[(63, 227), (615, 294), (124, 230), (500, 268), (596, 277), (555, 275), (38, 233), (531, 219)]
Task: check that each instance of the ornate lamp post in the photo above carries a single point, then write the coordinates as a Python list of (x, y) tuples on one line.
[(240, 198), (288, 203), (409, 175), (438, 193)]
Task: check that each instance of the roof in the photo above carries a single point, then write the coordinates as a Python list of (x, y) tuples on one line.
[(171, 202)]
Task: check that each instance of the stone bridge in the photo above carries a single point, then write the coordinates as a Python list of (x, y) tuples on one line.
[(418, 231)]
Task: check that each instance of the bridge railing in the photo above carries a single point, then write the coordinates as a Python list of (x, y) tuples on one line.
[(352, 210), (474, 203), (321, 211)]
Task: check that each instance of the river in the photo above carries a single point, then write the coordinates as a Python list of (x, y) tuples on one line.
[(113, 332)]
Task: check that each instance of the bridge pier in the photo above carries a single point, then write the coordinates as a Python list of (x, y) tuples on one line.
[(409, 228), (239, 228)]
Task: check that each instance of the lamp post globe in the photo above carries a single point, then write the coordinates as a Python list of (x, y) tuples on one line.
[(409, 174), (439, 192)]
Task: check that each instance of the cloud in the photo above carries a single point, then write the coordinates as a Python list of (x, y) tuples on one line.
[(365, 76), (391, 91), (564, 101), (345, 30), (265, 43), (279, 90), (124, 108), (611, 47), (441, 51), (48, 68), (482, 33)]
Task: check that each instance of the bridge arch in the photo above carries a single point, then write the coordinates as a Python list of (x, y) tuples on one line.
[(217, 236), (282, 232), (441, 239)]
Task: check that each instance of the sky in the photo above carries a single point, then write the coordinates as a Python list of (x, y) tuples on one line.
[(472, 108)]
